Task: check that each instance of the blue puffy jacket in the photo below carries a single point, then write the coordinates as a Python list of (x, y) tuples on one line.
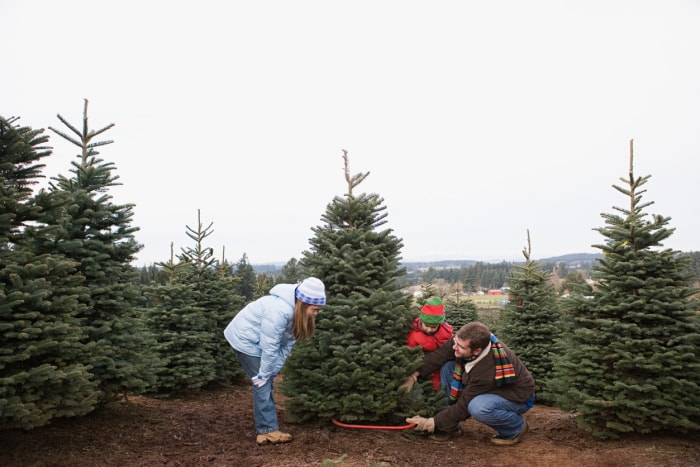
[(264, 328)]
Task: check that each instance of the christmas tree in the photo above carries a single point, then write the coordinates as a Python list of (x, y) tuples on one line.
[(188, 315), (529, 322), (97, 235), (43, 348), (351, 369), (290, 273), (631, 361), (460, 311), (215, 291), (246, 279)]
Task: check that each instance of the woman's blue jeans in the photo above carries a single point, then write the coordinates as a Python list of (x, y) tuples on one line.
[(264, 409), (502, 415)]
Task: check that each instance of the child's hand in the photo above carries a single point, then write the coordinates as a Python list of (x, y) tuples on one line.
[(408, 384)]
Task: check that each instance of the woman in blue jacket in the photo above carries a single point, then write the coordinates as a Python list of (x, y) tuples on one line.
[(262, 335)]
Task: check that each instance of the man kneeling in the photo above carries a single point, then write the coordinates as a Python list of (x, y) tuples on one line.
[(489, 383)]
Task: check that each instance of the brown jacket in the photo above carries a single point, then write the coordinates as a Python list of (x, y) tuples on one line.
[(480, 380)]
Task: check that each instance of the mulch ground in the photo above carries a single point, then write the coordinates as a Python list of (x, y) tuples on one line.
[(215, 428)]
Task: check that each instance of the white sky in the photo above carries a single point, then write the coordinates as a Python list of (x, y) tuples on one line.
[(477, 120)]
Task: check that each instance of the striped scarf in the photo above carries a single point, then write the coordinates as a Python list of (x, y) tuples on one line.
[(505, 373)]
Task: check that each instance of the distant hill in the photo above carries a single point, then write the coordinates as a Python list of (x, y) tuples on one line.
[(572, 257), (581, 260), (584, 260)]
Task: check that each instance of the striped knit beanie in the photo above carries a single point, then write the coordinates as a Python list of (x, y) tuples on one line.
[(311, 291), (433, 312)]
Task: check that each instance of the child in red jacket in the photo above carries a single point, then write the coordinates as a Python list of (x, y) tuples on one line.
[(430, 331)]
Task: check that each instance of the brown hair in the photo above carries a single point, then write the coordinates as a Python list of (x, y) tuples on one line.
[(304, 325), (478, 334)]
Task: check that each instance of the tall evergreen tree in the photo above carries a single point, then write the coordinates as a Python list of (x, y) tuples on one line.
[(631, 361), (530, 321), (694, 267), (358, 357), (291, 273), (246, 278), (151, 273), (97, 234), (42, 343)]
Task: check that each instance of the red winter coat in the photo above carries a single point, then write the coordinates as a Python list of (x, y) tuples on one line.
[(429, 342)]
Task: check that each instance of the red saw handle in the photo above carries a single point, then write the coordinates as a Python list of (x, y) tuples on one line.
[(374, 427)]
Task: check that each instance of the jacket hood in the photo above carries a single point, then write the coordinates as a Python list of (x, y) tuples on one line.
[(285, 292)]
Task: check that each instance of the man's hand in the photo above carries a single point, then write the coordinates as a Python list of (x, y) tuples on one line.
[(422, 424), (408, 384)]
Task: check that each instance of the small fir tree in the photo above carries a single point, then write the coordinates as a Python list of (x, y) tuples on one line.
[(530, 321), (180, 327), (631, 362), (190, 312), (427, 290), (263, 284), (460, 311), (571, 282), (225, 304), (216, 290), (351, 369)]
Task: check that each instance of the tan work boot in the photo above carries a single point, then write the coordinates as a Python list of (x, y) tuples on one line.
[(274, 437), (509, 441)]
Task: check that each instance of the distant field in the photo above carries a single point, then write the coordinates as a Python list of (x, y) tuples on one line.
[(487, 301), (488, 308)]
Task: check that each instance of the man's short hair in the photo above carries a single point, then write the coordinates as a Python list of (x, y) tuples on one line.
[(478, 334)]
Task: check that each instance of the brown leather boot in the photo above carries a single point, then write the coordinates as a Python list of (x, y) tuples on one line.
[(274, 437), (509, 441)]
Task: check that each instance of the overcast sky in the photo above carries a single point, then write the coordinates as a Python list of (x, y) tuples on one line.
[(477, 120)]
